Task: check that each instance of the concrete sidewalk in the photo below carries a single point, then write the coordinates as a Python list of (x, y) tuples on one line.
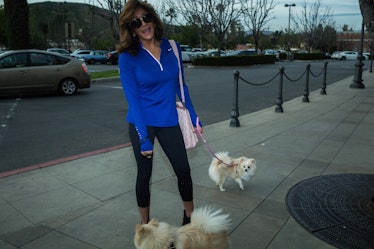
[(90, 202)]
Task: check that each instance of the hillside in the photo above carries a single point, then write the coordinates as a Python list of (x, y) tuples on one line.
[(49, 23)]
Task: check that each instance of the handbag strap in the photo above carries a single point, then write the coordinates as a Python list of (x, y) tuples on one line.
[(175, 50)]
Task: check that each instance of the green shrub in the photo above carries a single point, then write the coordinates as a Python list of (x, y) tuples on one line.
[(245, 60)]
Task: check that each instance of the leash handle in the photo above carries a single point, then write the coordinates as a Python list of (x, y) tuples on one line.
[(198, 130)]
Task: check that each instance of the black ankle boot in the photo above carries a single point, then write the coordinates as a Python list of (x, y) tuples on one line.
[(186, 220)]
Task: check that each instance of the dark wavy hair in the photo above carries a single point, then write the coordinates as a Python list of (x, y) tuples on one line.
[(127, 40)]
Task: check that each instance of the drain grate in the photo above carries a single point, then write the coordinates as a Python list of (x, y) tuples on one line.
[(338, 209)]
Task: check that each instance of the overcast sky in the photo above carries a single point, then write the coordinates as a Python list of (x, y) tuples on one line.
[(343, 12)]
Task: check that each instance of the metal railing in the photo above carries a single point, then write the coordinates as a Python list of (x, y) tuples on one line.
[(234, 122)]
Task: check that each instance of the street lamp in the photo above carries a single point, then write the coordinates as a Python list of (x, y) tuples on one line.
[(289, 23)]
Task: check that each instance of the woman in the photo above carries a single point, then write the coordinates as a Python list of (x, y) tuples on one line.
[(149, 75)]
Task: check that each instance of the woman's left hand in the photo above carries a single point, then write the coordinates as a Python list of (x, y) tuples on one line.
[(198, 129)]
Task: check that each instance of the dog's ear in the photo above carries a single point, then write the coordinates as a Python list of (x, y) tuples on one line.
[(153, 222), (242, 159), (139, 229)]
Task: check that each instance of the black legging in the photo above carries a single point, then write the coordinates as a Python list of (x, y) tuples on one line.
[(171, 141)]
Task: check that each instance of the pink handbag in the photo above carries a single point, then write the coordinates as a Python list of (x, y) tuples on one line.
[(184, 119)]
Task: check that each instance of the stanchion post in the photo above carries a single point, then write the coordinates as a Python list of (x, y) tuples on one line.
[(371, 52), (323, 89), (357, 79), (234, 122), (279, 102), (306, 90)]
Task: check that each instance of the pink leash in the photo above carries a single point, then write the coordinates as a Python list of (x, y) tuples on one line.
[(207, 144)]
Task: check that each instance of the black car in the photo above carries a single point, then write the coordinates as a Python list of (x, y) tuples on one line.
[(112, 57)]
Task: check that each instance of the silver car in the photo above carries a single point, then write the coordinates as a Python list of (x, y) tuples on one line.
[(37, 70)]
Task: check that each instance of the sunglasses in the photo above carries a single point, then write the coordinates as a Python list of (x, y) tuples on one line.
[(137, 22)]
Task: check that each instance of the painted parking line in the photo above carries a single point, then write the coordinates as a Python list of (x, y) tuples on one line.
[(4, 120)]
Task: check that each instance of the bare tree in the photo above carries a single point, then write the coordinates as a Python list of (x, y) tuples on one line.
[(310, 20), (222, 14), (209, 16), (256, 15), (113, 9), (194, 13)]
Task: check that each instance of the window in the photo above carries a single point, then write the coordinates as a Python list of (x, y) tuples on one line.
[(37, 59), (14, 61)]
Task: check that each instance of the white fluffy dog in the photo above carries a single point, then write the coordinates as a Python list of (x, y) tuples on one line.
[(207, 230), (238, 169)]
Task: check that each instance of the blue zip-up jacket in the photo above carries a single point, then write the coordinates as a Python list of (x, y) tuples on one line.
[(151, 87)]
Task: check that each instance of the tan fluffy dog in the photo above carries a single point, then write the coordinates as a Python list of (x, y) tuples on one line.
[(207, 230), (238, 169)]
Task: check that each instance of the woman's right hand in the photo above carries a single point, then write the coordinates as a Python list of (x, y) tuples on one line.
[(146, 148), (147, 154)]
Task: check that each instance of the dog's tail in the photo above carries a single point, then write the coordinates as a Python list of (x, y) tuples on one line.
[(210, 220), (223, 160)]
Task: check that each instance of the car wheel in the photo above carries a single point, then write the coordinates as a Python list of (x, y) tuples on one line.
[(68, 87), (91, 61), (344, 58)]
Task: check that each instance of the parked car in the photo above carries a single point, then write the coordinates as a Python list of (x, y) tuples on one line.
[(214, 52), (208, 53), (366, 56), (112, 57), (241, 52), (284, 54), (37, 70), (350, 55), (96, 56), (347, 55), (59, 51), (271, 52), (302, 52), (335, 54), (79, 53), (186, 53)]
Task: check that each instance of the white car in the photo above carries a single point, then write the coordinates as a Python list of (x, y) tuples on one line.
[(79, 53), (59, 51), (186, 53), (366, 56), (271, 52), (211, 53), (335, 55), (347, 55)]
